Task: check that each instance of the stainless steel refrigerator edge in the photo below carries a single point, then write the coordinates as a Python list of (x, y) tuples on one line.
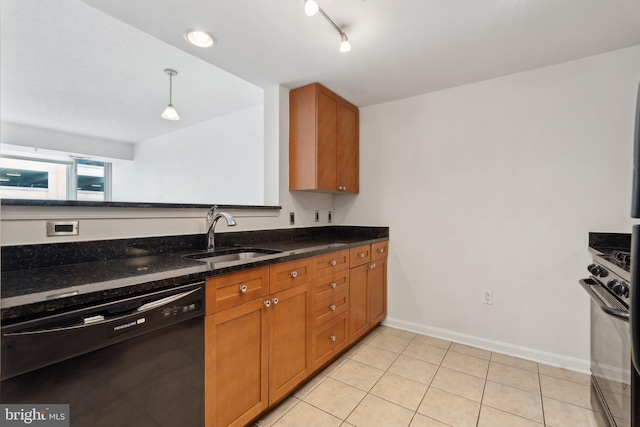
[(634, 292)]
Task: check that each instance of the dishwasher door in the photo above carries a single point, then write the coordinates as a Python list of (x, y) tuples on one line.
[(133, 362)]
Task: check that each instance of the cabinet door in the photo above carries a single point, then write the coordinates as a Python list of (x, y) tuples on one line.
[(289, 333), (327, 130), (347, 148), (236, 365), (377, 281), (359, 302)]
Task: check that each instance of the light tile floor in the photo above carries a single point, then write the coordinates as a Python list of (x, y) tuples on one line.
[(395, 378)]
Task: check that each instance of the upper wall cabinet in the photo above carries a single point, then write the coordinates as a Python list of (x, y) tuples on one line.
[(323, 141)]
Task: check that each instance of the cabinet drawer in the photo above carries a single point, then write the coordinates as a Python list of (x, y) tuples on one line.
[(379, 250), (289, 274), (360, 255), (331, 262), (329, 308), (329, 339), (329, 285), (233, 289)]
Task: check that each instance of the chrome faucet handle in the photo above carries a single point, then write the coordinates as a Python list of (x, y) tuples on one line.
[(210, 214)]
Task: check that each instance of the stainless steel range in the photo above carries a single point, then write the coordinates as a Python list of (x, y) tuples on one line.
[(612, 376)]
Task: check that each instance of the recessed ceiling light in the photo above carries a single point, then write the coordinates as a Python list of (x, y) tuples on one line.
[(199, 38)]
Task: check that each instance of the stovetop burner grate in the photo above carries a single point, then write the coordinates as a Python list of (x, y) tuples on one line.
[(621, 258)]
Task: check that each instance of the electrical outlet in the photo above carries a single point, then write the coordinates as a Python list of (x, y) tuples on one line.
[(292, 218), (329, 217), (487, 297), (317, 216)]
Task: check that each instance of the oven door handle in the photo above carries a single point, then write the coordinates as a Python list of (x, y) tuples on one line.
[(619, 314)]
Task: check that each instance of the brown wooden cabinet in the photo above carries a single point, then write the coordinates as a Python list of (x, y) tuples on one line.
[(289, 349), (236, 365), (268, 329), (368, 288), (323, 141), (256, 351)]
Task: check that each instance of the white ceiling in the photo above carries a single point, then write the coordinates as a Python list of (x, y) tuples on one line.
[(400, 48)]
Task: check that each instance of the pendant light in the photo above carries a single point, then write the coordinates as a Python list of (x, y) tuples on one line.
[(170, 112)]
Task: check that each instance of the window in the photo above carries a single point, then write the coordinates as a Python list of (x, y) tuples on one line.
[(28, 178)]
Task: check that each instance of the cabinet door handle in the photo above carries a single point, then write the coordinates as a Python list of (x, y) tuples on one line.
[(267, 303), (275, 301), (333, 285), (332, 307), (380, 250), (294, 274), (243, 288), (361, 255), (333, 262), (332, 337), (372, 265)]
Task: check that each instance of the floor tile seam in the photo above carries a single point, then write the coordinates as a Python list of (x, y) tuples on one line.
[(565, 379), (464, 372), (355, 407), (327, 412), (514, 367), (493, 380), (383, 348), (372, 366), (537, 371), (467, 354), (515, 415), (421, 360), (397, 404), (285, 412), (356, 388), (519, 389), (544, 416), (568, 403)]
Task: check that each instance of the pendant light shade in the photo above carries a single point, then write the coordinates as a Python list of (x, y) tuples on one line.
[(170, 112)]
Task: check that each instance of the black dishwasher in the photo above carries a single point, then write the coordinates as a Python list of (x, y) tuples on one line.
[(136, 361)]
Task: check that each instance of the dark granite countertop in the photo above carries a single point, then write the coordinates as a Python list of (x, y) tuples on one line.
[(42, 279)]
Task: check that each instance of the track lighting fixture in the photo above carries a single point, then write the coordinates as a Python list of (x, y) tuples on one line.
[(170, 112), (311, 8)]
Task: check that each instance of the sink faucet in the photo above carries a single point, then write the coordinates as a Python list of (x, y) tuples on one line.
[(212, 220)]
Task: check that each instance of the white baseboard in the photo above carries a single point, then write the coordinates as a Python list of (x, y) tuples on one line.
[(558, 360)]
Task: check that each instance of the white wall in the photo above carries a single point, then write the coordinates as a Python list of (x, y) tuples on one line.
[(30, 140), (495, 185), (166, 167), (21, 225)]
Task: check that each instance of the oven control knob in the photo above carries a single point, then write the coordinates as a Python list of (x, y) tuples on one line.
[(621, 289), (612, 283), (597, 270)]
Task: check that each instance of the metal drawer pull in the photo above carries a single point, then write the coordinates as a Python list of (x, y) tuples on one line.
[(380, 250), (333, 285), (361, 255), (275, 300), (332, 337), (243, 288), (372, 265), (333, 262), (294, 274), (332, 307), (267, 303)]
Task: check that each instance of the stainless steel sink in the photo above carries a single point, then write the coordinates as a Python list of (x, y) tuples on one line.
[(240, 254)]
